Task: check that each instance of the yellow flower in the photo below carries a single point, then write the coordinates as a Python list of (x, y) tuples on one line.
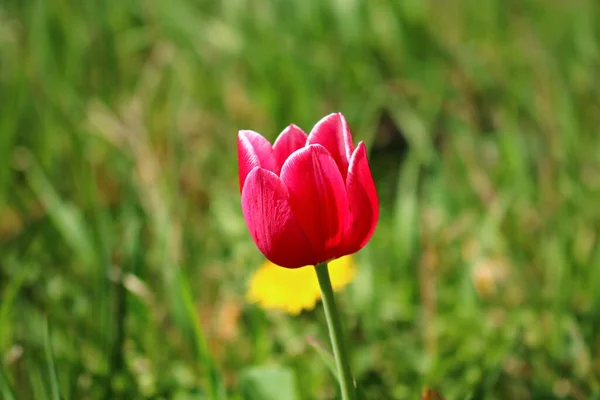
[(294, 290)]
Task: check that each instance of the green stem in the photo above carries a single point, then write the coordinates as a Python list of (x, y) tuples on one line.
[(335, 333)]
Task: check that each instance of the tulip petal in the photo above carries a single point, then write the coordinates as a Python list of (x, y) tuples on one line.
[(332, 132), (318, 198), (269, 217), (363, 200), (291, 139), (253, 151)]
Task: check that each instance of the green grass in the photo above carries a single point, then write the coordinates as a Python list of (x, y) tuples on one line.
[(124, 257)]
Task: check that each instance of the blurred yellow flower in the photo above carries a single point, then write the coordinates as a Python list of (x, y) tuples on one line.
[(294, 290)]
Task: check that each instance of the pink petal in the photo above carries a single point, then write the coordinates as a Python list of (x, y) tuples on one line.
[(332, 132), (318, 198), (364, 204), (269, 217), (253, 151), (291, 139)]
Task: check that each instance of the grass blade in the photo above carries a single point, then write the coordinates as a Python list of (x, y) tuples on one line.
[(215, 386), (5, 389), (54, 385)]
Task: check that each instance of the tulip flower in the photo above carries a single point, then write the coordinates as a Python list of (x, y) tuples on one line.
[(307, 199)]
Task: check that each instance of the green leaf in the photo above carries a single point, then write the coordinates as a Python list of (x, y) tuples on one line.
[(272, 382), (326, 356)]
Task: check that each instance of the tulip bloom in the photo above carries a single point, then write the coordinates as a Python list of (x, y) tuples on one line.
[(307, 199)]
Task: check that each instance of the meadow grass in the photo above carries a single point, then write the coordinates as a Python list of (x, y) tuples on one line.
[(124, 257)]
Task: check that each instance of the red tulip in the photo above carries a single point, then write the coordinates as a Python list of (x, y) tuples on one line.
[(307, 199)]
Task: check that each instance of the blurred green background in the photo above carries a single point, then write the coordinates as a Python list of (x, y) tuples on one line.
[(124, 257)]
